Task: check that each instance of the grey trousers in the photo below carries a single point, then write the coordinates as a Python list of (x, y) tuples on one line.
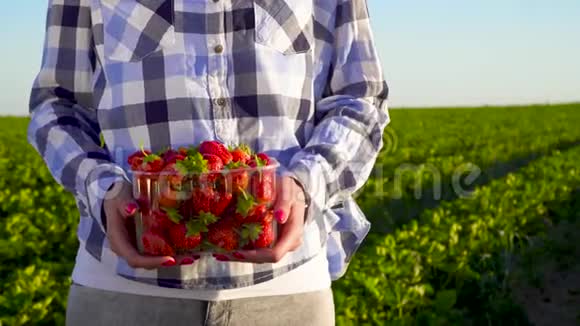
[(91, 307)]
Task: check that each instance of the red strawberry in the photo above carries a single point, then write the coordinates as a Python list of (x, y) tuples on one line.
[(257, 235), (183, 237), (214, 163), (152, 163), (238, 176), (154, 244), (260, 159), (265, 158), (164, 219), (241, 154), (172, 176), (171, 157), (216, 148), (135, 160), (220, 202), (224, 234), (240, 181), (206, 199), (263, 186), (201, 199), (257, 214)]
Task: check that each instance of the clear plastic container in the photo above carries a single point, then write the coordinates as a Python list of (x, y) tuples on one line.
[(217, 212)]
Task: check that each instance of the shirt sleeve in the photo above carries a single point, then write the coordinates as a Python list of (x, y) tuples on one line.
[(63, 123), (350, 118)]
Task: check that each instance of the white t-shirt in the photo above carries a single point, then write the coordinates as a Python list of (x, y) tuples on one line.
[(312, 276)]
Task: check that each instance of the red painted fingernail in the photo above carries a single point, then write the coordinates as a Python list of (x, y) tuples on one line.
[(187, 261), (279, 216), (221, 257), (196, 257), (131, 209), (169, 263), (238, 255)]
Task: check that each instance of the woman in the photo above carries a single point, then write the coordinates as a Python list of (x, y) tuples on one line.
[(299, 80)]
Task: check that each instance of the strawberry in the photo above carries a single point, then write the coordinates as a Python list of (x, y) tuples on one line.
[(238, 176), (241, 154), (192, 166), (135, 160), (152, 163), (164, 219), (214, 163), (257, 235), (171, 157), (155, 245), (265, 158), (168, 198), (244, 204), (188, 150), (256, 214), (220, 202), (201, 199), (259, 160), (259, 214), (216, 148), (223, 234), (263, 186), (206, 199), (184, 237)]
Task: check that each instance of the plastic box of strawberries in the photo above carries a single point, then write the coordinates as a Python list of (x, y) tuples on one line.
[(203, 199)]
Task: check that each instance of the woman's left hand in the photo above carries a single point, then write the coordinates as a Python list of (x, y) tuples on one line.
[(289, 211)]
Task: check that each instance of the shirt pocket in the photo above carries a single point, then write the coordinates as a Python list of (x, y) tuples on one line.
[(133, 30), (284, 25)]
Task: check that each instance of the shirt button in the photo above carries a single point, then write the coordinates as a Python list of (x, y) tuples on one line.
[(221, 101), (218, 49)]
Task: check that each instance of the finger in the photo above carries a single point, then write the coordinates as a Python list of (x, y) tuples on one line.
[(290, 236), (187, 260), (283, 201), (289, 239), (121, 244)]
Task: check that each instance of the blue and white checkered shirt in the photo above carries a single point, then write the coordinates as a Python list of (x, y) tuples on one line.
[(297, 79)]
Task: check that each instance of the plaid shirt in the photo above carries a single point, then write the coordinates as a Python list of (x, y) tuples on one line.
[(297, 79)]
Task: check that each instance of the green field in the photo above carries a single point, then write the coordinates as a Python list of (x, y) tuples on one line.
[(498, 247)]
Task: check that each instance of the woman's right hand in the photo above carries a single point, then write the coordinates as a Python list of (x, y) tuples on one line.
[(119, 205)]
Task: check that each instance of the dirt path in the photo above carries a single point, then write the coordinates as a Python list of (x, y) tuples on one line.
[(548, 282)]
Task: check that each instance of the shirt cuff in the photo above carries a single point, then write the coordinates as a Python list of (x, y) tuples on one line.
[(99, 181)]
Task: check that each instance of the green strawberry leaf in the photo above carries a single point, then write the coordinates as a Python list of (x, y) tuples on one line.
[(207, 218), (259, 162), (151, 158), (192, 151), (245, 204), (194, 164), (251, 231), (173, 215), (236, 165), (246, 149), (208, 246), (195, 227), (164, 150), (102, 138)]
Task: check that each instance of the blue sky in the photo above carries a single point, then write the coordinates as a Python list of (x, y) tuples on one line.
[(435, 53)]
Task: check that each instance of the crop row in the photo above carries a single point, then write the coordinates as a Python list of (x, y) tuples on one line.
[(440, 267)]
